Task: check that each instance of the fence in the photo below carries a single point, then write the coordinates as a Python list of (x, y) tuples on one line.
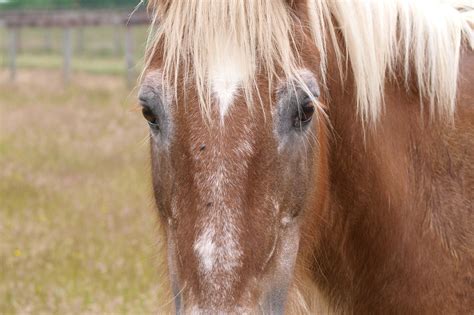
[(68, 21)]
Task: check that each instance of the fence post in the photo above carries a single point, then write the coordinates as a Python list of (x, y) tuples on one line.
[(80, 39), (129, 55), (48, 41), (67, 47), (12, 51), (116, 28), (19, 47)]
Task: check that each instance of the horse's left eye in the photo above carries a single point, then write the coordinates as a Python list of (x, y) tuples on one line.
[(305, 113), (150, 116)]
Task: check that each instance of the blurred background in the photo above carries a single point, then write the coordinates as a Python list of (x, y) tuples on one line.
[(78, 231)]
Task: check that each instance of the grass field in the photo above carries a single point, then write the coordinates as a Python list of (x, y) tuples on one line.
[(78, 232)]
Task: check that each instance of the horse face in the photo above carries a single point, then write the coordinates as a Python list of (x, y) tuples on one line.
[(232, 188)]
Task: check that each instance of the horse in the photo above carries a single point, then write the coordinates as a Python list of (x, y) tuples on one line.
[(313, 156)]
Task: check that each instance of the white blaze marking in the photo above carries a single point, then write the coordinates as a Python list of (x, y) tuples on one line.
[(206, 249), (226, 74), (217, 246), (218, 252)]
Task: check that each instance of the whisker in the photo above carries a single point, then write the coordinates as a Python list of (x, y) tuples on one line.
[(174, 297)]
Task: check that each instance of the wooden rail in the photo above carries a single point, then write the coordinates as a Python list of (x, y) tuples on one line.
[(14, 21), (76, 18)]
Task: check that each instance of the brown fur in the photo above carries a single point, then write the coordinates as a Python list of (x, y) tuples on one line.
[(400, 238)]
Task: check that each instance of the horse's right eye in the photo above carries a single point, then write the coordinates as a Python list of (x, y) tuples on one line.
[(151, 118)]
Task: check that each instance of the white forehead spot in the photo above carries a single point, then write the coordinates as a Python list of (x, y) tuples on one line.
[(227, 72)]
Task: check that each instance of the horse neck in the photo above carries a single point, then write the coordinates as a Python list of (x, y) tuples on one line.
[(387, 184)]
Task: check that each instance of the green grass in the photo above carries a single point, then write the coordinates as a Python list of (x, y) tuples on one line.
[(78, 232)]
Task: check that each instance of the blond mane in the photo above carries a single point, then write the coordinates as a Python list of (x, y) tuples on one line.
[(421, 38)]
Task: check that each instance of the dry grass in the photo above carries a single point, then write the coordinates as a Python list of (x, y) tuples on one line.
[(77, 225)]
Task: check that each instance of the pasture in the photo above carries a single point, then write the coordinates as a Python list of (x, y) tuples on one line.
[(78, 229), (96, 50)]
